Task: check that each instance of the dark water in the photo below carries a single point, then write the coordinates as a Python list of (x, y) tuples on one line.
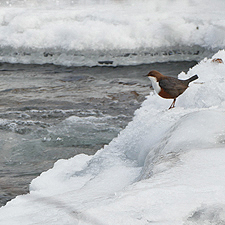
[(50, 112)]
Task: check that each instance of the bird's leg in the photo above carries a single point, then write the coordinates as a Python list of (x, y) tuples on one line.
[(173, 104)]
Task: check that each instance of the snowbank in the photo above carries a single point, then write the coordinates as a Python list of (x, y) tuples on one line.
[(110, 32), (165, 167)]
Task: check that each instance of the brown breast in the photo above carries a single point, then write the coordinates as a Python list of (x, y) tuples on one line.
[(164, 94)]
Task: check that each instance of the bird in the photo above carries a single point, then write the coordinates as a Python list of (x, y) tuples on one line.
[(169, 87)]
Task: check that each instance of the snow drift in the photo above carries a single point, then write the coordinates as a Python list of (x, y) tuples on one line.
[(165, 167), (89, 33)]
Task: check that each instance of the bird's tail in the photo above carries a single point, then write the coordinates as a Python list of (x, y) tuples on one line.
[(192, 78)]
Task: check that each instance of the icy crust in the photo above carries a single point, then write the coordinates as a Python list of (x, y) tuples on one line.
[(78, 33), (166, 167), (114, 57)]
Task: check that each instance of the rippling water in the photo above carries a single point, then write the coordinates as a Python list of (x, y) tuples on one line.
[(50, 112)]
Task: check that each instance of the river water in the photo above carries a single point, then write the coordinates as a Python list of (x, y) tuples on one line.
[(50, 112)]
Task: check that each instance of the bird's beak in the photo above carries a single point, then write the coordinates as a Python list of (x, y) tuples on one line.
[(145, 75)]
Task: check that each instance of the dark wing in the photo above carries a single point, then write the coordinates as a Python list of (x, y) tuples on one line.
[(173, 86)]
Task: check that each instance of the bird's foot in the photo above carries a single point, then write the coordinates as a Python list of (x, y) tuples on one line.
[(173, 104)]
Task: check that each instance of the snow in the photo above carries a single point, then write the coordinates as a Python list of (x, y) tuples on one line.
[(166, 167), (121, 32)]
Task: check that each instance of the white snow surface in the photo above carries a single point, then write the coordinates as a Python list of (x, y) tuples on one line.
[(123, 32), (166, 167)]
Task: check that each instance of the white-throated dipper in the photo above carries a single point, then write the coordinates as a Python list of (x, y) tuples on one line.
[(169, 87)]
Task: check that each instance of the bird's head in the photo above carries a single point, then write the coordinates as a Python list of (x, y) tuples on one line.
[(154, 74)]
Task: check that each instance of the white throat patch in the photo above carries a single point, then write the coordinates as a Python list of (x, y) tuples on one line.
[(155, 84)]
